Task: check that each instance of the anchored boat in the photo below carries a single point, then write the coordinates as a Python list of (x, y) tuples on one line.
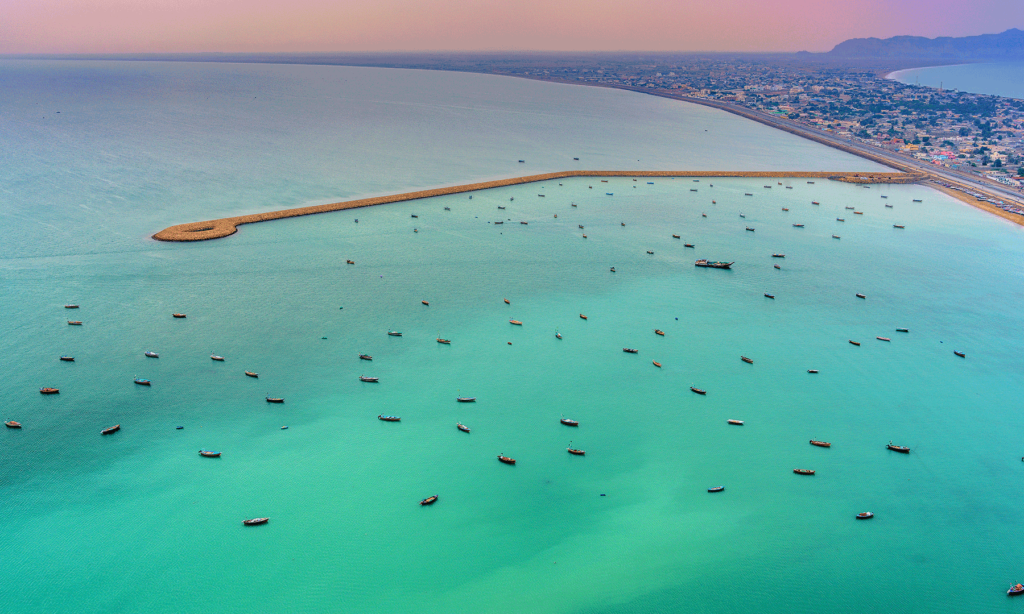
[(209, 454), (900, 449), (429, 500), (389, 418), (804, 471), (507, 460), (711, 264), (462, 427), (749, 361), (255, 521), (364, 378), (568, 422), (111, 429), (698, 390), (736, 422), (466, 399), (820, 444)]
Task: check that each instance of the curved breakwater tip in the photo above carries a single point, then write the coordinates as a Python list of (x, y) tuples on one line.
[(224, 227)]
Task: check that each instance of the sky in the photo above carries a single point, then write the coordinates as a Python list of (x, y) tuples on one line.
[(172, 26)]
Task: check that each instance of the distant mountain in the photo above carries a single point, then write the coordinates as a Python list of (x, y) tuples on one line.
[(1008, 45)]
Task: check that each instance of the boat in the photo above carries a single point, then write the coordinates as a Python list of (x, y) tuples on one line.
[(68, 358), (960, 354), (612, 269), (865, 515), (839, 219), (814, 202), (630, 350), (152, 355), (690, 245), (835, 236), (364, 378), (251, 522), (711, 264), (507, 302), (576, 159), (209, 454), (349, 262), (883, 338), (812, 370), (716, 489), (425, 303), (575, 451), (858, 213), (675, 236), (394, 333), (703, 214), (656, 363), (516, 322), (849, 208), (449, 208), (604, 181), (771, 296), (178, 315), (500, 207), (71, 306), (252, 374), (820, 444), (620, 223), (466, 399), (917, 200), (384, 418), (736, 422), (798, 225), (558, 335), (859, 295), (852, 342), (444, 341), (49, 391), (902, 330), (898, 226), (584, 236), (74, 322), (143, 382), (749, 229), (698, 390), (884, 196), (217, 358), (11, 424), (659, 332), (743, 216), (777, 267), (525, 223), (507, 460), (778, 255), (650, 252), (804, 471), (462, 427), (111, 429), (429, 500), (275, 400), (785, 209), (888, 206), (583, 317), (900, 449), (568, 422), (1016, 589), (747, 360), (747, 194)]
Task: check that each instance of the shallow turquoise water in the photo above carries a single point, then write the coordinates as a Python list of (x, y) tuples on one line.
[(997, 78), (137, 521)]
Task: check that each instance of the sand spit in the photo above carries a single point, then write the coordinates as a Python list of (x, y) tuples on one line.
[(215, 229)]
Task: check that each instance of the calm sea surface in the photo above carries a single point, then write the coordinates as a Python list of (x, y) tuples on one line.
[(139, 522), (998, 78)]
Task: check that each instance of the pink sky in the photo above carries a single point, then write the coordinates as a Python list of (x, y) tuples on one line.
[(130, 26)]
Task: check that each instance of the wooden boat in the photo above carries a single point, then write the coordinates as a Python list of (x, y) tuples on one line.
[(143, 382), (747, 360), (466, 399), (865, 515), (778, 255), (575, 451), (917, 200), (778, 267), (710, 264), (656, 363), (349, 262), (630, 350), (394, 333), (209, 454), (698, 390), (747, 194), (703, 214), (558, 335), (568, 422), (389, 418), (364, 378), (217, 358), (785, 209), (620, 223), (858, 213), (835, 236), (814, 202), (506, 460), (902, 330), (524, 223), (49, 391), (612, 269), (849, 208), (429, 500), (252, 374), (515, 322), (111, 429), (1016, 589), (74, 322), (897, 226), (584, 236), (11, 424), (900, 449), (716, 489), (462, 427), (736, 422), (888, 206), (500, 207), (960, 354), (444, 341), (883, 338), (675, 236), (71, 306), (820, 444), (583, 317), (690, 245), (852, 342), (749, 229), (839, 219), (798, 225), (68, 358), (152, 355), (275, 400), (251, 522), (812, 370), (507, 302), (425, 303), (659, 332), (449, 208), (743, 216), (859, 295), (771, 296), (650, 252), (178, 315), (804, 471)]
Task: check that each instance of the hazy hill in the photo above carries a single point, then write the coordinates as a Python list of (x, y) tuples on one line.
[(1008, 45)]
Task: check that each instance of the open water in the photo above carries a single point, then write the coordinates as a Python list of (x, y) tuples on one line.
[(996, 78), (138, 522)]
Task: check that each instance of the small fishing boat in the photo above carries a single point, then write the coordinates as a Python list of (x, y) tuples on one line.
[(620, 223), (111, 429), (690, 245), (703, 214), (414, 215), (466, 399), (583, 317), (209, 454), (865, 515), (394, 333), (507, 460), (462, 427), (839, 219), (835, 236), (659, 332), (574, 205), (859, 295), (568, 422), (444, 341), (71, 306), (747, 194), (771, 296), (252, 374), (425, 303), (900, 449), (804, 471), (698, 390), (612, 269), (650, 252), (785, 209), (814, 202), (798, 225), (656, 363), (429, 500), (630, 350), (960, 354), (575, 451), (820, 444), (778, 255), (143, 382), (558, 335), (584, 236), (74, 322), (743, 216), (152, 355), (581, 226), (852, 342), (49, 391), (749, 229), (849, 208), (917, 200), (349, 262), (736, 422), (898, 226), (525, 223), (777, 267), (373, 380), (1016, 589), (11, 424), (888, 206), (883, 338), (812, 370), (747, 360), (217, 358), (515, 322), (604, 181), (251, 522), (507, 302), (68, 358), (711, 264), (384, 418), (675, 236), (449, 208), (858, 213), (275, 400), (902, 330), (716, 489), (500, 207), (178, 315)]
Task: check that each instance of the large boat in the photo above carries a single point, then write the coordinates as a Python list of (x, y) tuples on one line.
[(255, 521), (152, 355), (749, 361), (444, 341), (466, 399), (274, 399), (49, 391), (865, 515), (820, 444), (111, 429), (736, 422), (698, 390), (1016, 589), (68, 358), (462, 427), (630, 350), (178, 315), (209, 454), (507, 460), (900, 449), (74, 322), (659, 332), (785, 208), (252, 374), (388, 418), (394, 333), (11, 424), (804, 471), (716, 489), (429, 500), (713, 264), (217, 358), (571, 450), (858, 213), (568, 422), (364, 378), (515, 322), (850, 208), (143, 382)]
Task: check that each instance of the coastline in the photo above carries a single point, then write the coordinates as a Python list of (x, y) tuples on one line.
[(224, 227)]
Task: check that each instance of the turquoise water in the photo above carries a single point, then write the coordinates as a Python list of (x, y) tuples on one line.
[(997, 78), (138, 522)]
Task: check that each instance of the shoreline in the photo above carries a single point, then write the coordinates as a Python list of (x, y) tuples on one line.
[(225, 227)]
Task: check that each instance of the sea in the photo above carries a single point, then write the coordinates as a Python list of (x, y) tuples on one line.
[(994, 78), (97, 156)]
